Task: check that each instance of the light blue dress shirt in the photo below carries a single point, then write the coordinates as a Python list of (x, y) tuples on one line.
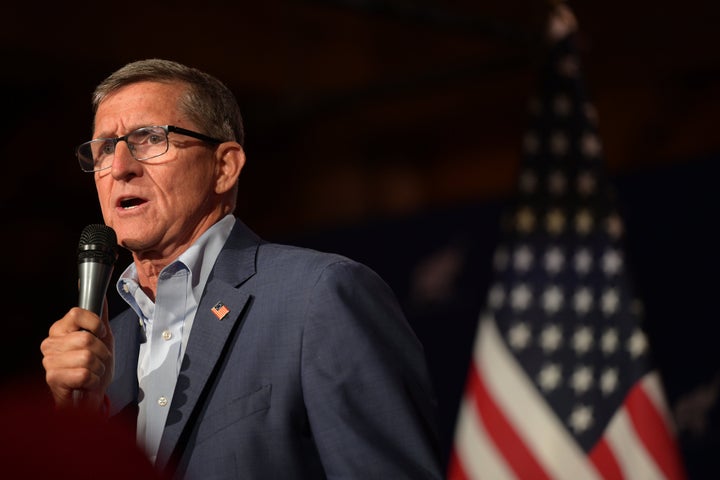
[(167, 323)]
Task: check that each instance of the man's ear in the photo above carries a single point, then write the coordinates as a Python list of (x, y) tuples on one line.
[(229, 161)]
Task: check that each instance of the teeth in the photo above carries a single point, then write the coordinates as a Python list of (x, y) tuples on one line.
[(129, 203)]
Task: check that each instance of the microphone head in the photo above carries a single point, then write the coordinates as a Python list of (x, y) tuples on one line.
[(98, 243)]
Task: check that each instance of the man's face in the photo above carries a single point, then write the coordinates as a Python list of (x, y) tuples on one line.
[(160, 206)]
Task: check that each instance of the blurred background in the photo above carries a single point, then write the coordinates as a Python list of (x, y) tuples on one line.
[(389, 131)]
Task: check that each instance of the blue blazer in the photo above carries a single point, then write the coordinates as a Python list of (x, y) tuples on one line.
[(314, 373)]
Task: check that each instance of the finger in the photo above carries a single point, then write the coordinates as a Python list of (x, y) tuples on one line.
[(78, 319), (73, 342), (75, 370), (75, 349)]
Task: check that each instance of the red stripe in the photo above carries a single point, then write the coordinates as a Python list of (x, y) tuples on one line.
[(653, 432), (518, 456), (604, 460), (455, 468)]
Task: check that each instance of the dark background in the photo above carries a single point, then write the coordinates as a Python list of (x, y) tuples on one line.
[(388, 131)]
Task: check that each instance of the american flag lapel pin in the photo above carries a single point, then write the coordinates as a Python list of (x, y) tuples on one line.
[(220, 310)]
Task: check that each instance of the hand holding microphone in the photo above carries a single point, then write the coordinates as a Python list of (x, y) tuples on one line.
[(97, 252), (78, 352)]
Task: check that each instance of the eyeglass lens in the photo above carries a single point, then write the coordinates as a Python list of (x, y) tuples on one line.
[(143, 143)]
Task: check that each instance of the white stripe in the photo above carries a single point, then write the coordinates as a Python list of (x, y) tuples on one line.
[(477, 452), (548, 440), (633, 458), (652, 384)]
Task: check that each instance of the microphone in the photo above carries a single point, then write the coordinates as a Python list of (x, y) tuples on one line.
[(96, 256)]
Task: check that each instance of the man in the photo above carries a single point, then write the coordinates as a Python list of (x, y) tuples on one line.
[(237, 358)]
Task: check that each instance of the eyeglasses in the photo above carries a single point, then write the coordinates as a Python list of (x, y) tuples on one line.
[(144, 143)]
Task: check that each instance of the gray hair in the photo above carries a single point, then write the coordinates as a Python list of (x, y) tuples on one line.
[(207, 102)]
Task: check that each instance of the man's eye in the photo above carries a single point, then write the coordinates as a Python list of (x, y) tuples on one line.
[(107, 148), (155, 139)]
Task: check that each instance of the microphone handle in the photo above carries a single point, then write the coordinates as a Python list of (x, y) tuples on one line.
[(94, 278), (93, 284)]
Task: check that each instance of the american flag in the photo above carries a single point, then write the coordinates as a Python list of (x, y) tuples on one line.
[(220, 310), (561, 383)]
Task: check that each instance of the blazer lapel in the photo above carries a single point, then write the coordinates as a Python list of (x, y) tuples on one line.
[(123, 390), (212, 328)]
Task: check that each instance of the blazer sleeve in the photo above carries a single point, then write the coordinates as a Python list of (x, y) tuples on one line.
[(365, 381)]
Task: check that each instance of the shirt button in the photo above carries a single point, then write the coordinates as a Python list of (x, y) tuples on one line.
[(167, 335), (162, 401)]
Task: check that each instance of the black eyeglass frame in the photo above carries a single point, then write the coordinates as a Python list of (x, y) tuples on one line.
[(167, 128)]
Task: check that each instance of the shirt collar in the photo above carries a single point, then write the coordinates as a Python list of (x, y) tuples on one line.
[(199, 259)]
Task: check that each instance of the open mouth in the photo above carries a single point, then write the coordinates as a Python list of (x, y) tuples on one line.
[(129, 203)]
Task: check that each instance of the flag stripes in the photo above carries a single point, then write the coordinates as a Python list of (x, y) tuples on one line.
[(489, 445)]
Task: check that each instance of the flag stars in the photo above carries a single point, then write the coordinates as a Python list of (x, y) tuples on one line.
[(555, 221), (501, 259), (609, 341), (583, 261), (496, 296), (562, 106), (609, 381), (591, 113), (586, 184), (554, 260), (582, 340), (581, 379), (568, 66), (527, 181), (552, 300), (614, 226), (523, 259), (520, 297), (581, 418), (558, 144), (557, 183), (525, 220), (565, 315), (637, 344), (610, 301), (583, 222), (590, 145), (519, 336), (531, 143), (582, 300), (549, 377), (612, 262), (550, 338)]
